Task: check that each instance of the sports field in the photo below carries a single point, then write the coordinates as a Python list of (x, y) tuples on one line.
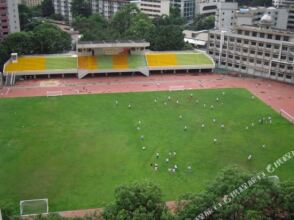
[(75, 150)]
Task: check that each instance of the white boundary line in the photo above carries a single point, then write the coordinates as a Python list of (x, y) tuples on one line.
[(286, 115)]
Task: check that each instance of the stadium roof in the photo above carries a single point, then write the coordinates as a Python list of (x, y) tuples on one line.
[(112, 44)]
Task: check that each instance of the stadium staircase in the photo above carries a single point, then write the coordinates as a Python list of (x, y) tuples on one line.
[(82, 73), (10, 80), (144, 70)]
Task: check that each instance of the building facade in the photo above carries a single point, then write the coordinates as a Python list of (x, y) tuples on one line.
[(186, 7), (255, 50), (9, 17), (225, 15), (63, 7), (154, 8), (107, 8), (30, 3)]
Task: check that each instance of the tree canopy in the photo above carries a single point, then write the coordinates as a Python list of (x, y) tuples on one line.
[(137, 201), (265, 199), (47, 8), (81, 8), (202, 22), (163, 33)]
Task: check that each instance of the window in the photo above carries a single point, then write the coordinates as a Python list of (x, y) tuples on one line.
[(260, 44), (261, 35), (288, 76), (269, 36), (278, 37), (286, 38)]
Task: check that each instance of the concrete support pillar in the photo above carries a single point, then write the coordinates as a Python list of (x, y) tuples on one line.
[(187, 71), (49, 76), (106, 74), (62, 75), (35, 76), (174, 71)]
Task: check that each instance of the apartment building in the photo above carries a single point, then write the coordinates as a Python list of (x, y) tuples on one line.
[(63, 7), (30, 3), (107, 8), (154, 8), (257, 50), (9, 17)]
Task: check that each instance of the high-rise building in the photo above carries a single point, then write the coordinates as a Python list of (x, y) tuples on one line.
[(154, 8), (9, 17), (30, 3), (63, 7)]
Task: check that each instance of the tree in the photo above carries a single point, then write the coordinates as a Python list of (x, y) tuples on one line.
[(167, 37), (25, 15), (263, 200), (47, 8), (137, 202), (81, 8), (202, 22), (124, 18), (50, 39)]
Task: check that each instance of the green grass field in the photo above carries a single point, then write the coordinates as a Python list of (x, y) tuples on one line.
[(75, 150)]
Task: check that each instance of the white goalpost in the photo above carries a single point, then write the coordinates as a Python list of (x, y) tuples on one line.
[(176, 88), (287, 115), (54, 93), (34, 207)]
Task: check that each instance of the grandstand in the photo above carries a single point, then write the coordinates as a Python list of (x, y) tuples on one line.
[(104, 58)]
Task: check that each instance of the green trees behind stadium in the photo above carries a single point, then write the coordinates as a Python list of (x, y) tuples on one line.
[(163, 33)]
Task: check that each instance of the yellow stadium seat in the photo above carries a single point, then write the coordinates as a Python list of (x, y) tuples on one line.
[(87, 62), (164, 59), (26, 64), (120, 61)]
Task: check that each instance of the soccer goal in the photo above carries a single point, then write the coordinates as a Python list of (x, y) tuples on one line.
[(287, 115), (54, 93), (34, 207), (176, 88)]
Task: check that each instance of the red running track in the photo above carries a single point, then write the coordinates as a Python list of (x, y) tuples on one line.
[(276, 94)]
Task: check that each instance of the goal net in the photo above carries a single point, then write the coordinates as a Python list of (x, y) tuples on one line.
[(54, 93), (287, 116), (34, 207)]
